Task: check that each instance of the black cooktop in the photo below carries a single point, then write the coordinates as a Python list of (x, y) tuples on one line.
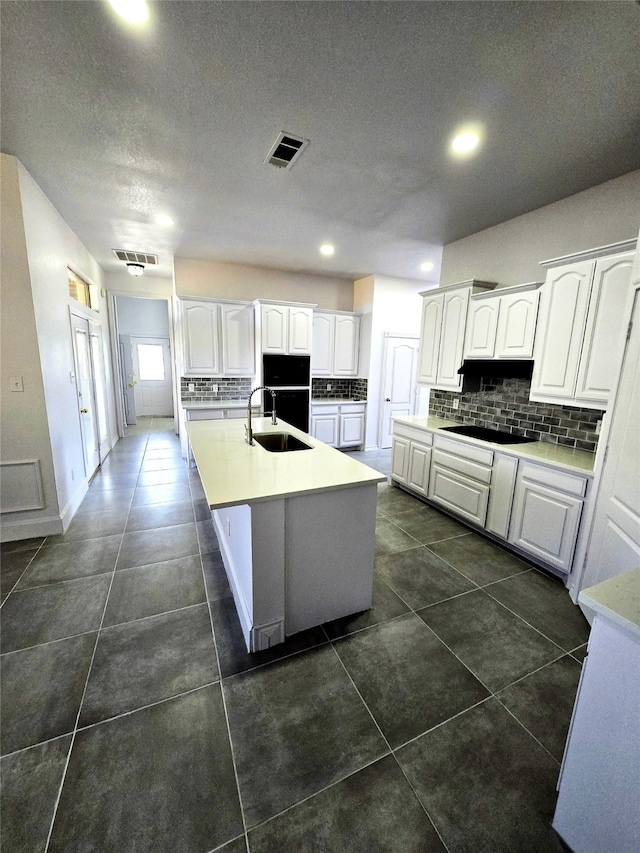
[(498, 436)]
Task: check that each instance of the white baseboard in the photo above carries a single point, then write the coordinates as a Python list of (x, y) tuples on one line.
[(12, 531)]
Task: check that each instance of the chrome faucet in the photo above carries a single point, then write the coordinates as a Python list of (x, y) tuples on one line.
[(247, 429)]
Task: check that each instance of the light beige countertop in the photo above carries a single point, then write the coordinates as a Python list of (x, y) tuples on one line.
[(618, 599), (217, 404), (334, 401), (580, 461), (234, 473)]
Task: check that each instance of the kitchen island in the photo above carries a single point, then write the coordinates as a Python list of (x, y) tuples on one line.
[(296, 529)]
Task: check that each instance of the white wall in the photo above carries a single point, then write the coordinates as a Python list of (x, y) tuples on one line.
[(510, 253), (237, 281), (142, 317)]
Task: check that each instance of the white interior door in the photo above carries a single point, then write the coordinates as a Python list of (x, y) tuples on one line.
[(398, 382), (151, 360), (86, 394), (128, 380), (614, 545)]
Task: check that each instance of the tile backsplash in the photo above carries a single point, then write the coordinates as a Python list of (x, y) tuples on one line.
[(350, 389), (505, 403), (228, 389)]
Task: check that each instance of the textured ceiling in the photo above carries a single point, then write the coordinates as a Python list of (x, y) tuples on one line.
[(117, 125)]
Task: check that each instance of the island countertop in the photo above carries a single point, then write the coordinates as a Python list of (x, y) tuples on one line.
[(234, 473)]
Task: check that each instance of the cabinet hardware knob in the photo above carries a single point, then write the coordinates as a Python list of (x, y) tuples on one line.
[(84, 411)]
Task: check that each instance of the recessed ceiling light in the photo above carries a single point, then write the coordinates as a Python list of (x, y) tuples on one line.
[(327, 249), (465, 142), (133, 11), (427, 266), (164, 220)]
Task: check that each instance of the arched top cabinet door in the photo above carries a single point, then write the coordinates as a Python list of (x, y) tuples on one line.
[(517, 325), (483, 324), (201, 339)]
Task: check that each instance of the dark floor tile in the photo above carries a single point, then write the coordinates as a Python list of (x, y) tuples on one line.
[(107, 481), (69, 560), (159, 515), (304, 719), (12, 565), (30, 782), (93, 525), (166, 493), (497, 646), (544, 602), (159, 779), (543, 702), (477, 558), (201, 509), (427, 525), (238, 845), (42, 689), (407, 677), (373, 810), (106, 501), (390, 497), (232, 650), (160, 478), (207, 538), (149, 660), (47, 613), (155, 546), (158, 588), (215, 576), (419, 577), (580, 653), (386, 605), (390, 539), (21, 545), (486, 784)]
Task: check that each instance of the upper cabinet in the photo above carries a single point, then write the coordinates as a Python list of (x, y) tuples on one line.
[(502, 324), (444, 322), (580, 335), (336, 341), (218, 338), (285, 329)]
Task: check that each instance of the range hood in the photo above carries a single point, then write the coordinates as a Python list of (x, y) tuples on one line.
[(497, 368)]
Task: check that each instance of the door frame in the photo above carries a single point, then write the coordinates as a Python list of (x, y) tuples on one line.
[(91, 318), (115, 354), (383, 379)]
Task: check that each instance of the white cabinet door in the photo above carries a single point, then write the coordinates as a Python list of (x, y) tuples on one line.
[(275, 324), (454, 321), (517, 325), (351, 428), (325, 428), (400, 459), (563, 308), (323, 337), (419, 466), (483, 325), (238, 353), (431, 330), (346, 345), (201, 339), (300, 324), (604, 332)]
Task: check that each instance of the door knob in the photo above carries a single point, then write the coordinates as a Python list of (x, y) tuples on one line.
[(387, 399), (84, 411)]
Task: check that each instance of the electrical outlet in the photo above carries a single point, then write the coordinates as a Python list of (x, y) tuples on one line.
[(329, 386), (192, 387), (214, 389), (598, 427), (456, 404)]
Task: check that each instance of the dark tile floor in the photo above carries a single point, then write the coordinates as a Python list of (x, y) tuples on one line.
[(133, 718)]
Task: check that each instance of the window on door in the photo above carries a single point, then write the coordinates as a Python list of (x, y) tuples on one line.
[(150, 362)]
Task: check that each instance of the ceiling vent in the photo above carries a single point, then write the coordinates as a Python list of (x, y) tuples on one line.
[(286, 150), (135, 257)]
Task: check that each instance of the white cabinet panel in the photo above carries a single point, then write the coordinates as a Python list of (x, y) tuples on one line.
[(347, 343), (238, 348), (300, 330), (483, 326), (274, 329), (325, 428), (340, 425), (431, 331), (323, 336), (503, 481), (454, 321), (419, 468), (517, 325), (351, 428), (464, 496), (400, 459), (201, 339)]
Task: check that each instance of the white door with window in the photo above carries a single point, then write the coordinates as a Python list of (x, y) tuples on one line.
[(151, 362), (87, 408), (398, 382)]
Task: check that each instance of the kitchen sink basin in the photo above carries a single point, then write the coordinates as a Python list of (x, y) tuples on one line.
[(280, 442), (498, 436)]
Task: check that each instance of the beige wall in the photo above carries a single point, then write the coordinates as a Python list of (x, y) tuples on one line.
[(214, 279), (510, 253), (143, 285)]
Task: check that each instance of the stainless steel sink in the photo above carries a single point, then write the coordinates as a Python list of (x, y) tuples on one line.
[(280, 442)]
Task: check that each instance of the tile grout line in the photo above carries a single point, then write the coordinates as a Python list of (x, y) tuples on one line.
[(23, 571)]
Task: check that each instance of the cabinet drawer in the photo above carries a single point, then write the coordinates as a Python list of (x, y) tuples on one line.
[(319, 411), (352, 408), (413, 433), (482, 455), (572, 484), (467, 498), (462, 466)]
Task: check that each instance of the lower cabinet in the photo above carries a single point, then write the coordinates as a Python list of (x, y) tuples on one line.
[(460, 478), (547, 506), (411, 463), (338, 425)]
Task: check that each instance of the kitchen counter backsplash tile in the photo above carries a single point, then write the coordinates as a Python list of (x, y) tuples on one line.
[(505, 403), (228, 389), (348, 389)]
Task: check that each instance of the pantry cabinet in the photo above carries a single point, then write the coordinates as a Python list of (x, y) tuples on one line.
[(285, 329), (336, 341), (502, 323), (580, 335), (218, 338), (444, 322)]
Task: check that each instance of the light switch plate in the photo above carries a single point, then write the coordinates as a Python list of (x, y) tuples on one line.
[(456, 404), (192, 387)]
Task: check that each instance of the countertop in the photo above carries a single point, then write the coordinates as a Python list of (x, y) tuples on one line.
[(234, 473), (334, 401), (617, 599), (580, 461), (217, 404)]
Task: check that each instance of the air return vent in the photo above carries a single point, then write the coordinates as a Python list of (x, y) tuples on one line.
[(286, 150), (135, 257)]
